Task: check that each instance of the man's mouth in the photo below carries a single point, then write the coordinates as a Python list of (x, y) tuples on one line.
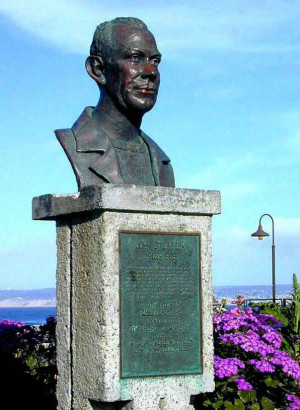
[(147, 90)]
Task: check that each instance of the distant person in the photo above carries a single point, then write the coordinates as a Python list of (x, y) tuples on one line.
[(106, 144)]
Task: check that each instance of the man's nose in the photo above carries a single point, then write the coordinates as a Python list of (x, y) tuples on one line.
[(149, 71)]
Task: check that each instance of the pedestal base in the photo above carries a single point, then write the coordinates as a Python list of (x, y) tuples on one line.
[(92, 286)]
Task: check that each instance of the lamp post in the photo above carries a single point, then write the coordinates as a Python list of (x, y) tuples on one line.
[(260, 233)]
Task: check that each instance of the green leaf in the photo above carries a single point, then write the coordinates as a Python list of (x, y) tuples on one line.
[(207, 401), (267, 404), (221, 384), (276, 311), (223, 388), (255, 406), (271, 382), (238, 405), (31, 362), (218, 404), (247, 395)]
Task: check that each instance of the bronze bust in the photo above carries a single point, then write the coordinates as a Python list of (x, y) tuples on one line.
[(106, 144)]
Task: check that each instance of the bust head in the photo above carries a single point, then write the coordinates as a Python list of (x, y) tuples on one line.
[(106, 144), (124, 63)]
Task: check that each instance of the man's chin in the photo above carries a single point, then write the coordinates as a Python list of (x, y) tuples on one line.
[(136, 105), (144, 104)]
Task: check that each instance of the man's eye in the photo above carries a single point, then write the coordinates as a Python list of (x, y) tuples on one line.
[(155, 62), (135, 58)]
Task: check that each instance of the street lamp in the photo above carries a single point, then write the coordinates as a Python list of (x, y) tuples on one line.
[(260, 233)]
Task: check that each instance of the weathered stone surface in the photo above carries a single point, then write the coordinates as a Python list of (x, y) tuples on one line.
[(88, 292), (96, 319), (128, 198), (63, 331)]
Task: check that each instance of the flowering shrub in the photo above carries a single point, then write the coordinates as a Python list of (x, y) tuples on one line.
[(7, 324), (27, 358), (240, 301), (252, 371), (294, 402), (290, 316), (251, 367)]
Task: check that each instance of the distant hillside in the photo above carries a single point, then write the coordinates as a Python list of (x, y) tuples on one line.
[(28, 298), (47, 297), (252, 292), (48, 293)]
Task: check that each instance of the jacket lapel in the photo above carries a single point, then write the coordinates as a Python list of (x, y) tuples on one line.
[(105, 163), (158, 159), (89, 139)]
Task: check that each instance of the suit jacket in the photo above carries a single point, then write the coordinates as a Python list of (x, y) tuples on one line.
[(93, 157)]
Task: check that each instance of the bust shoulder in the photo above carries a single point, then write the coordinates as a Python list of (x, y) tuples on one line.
[(93, 157)]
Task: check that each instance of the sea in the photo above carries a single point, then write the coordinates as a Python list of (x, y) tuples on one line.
[(38, 315), (255, 292), (32, 316)]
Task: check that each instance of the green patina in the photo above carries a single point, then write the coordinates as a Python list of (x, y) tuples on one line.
[(160, 304)]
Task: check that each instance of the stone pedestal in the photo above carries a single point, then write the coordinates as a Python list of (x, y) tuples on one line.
[(92, 296)]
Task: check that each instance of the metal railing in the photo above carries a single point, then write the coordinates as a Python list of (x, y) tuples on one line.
[(280, 301)]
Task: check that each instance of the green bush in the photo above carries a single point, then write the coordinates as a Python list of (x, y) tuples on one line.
[(28, 364), (289, 316), (256, 360), (254, 368)]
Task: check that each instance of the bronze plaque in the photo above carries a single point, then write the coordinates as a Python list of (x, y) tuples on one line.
[(160, 304)]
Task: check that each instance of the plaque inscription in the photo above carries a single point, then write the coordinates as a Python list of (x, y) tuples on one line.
[(160, 304)]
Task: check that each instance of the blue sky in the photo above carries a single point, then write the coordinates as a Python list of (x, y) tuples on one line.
[(228, 115)]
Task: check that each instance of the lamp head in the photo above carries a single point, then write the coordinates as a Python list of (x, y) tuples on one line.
[(260, 233)]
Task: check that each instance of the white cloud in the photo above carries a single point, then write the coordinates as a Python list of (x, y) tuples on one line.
[(226, 175), (294, 142), (291, 121), (23, 265), (284, 228), (224, 167), (239, 233), (248, 26), (240, 259), (233, 192), (288, 227)]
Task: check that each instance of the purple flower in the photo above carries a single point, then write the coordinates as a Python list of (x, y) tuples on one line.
[(237, 320), (295, 402), (250, 342), (272, 337), (263, 365), (289, 366), (227, 367), (6, 323), (253, 333), (8, 326), (236, 311), (242, 384)]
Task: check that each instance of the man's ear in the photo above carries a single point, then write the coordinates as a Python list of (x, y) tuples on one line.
[(94, 67)]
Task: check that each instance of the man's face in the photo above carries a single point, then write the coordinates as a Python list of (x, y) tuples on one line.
[(132, 76)]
